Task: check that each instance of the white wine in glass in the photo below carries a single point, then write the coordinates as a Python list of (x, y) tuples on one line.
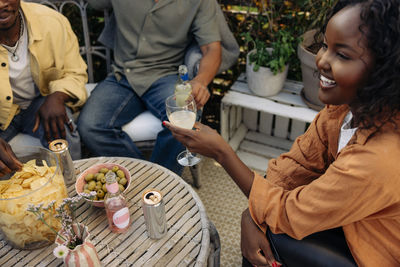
[(183, 118), (181, 112)]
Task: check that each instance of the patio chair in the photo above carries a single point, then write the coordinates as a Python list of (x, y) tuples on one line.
[(144, 128)]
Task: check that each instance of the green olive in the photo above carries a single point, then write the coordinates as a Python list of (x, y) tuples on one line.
[(118, 179), (87, 191), (103, 170), (98, 187), (120, 174), (103, 180), (121, 187), (89, 177), (91, 185), (123, 181), (100, 176), (115, 168), (100, 193), (104, 188), (85, 186)]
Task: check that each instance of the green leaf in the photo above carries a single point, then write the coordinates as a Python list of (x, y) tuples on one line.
[(256, 67)]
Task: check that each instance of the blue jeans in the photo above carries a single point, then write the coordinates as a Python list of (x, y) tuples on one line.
[(113, 104), (24, 121)]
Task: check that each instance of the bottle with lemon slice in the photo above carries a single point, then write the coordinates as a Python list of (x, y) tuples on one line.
[(182, 87)]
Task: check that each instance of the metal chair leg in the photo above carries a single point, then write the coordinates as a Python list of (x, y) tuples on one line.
[(195, 171), (215, 247)]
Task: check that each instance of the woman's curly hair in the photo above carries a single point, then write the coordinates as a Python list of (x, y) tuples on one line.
[(379, 100)]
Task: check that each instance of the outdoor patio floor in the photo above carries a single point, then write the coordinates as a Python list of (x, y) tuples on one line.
[(224, 203)]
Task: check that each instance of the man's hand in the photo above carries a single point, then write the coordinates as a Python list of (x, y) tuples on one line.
[(254, 244), (200, 93), (53, 116), (8, 160)]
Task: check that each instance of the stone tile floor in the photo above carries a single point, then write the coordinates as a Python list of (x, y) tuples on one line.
[(224, 203)]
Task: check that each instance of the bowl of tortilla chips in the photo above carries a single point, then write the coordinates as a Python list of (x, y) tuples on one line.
[(38, 183)]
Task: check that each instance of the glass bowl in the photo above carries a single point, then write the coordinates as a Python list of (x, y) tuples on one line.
[(40, 183)]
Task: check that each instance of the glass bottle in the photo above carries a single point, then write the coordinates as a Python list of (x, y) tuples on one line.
[(183, 85), (116, 206)]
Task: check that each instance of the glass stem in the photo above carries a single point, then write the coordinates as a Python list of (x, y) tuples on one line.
[(188, 153)]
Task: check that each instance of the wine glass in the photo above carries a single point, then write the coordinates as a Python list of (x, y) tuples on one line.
[(181, 112)]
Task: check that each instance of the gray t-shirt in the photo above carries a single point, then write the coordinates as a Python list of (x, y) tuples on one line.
[(151, 37)]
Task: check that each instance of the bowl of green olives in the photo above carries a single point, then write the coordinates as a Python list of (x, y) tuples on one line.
[(93, 179)]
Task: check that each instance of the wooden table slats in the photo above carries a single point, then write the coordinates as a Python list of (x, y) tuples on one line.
[(186, 242)]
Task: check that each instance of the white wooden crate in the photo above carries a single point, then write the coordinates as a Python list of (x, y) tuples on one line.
[(260, 128)]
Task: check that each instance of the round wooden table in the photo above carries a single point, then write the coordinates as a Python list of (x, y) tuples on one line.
[(187, 242)]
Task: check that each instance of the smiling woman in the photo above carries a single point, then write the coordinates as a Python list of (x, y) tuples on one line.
[(344, 60), (334, 195)]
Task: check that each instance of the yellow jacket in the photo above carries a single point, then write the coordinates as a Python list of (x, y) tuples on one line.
[(313, 188), (56, 64)]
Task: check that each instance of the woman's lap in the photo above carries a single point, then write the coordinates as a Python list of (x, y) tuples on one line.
[(326, 248)]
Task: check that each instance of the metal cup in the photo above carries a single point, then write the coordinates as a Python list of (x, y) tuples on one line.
[(154, 213), (60, 148)]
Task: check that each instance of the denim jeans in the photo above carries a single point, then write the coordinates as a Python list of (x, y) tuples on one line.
[(113, 104), (24, 121)]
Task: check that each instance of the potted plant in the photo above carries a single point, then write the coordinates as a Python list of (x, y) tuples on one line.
[(269, 45), (316, 12)]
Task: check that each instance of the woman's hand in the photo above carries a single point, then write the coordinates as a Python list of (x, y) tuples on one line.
[(53, 116), (202, 140), (209, 143), (8, 160), (254, 243)]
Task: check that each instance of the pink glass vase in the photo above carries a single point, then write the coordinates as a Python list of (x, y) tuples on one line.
[(82, 255)]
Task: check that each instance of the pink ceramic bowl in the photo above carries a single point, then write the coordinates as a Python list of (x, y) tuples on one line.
[(80, 181)]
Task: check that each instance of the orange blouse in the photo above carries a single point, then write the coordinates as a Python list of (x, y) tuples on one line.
[(313, 188)]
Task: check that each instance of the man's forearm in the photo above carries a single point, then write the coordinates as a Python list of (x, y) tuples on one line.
[(209, 63)]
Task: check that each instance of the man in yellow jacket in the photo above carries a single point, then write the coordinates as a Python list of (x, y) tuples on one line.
[(42, 77)]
